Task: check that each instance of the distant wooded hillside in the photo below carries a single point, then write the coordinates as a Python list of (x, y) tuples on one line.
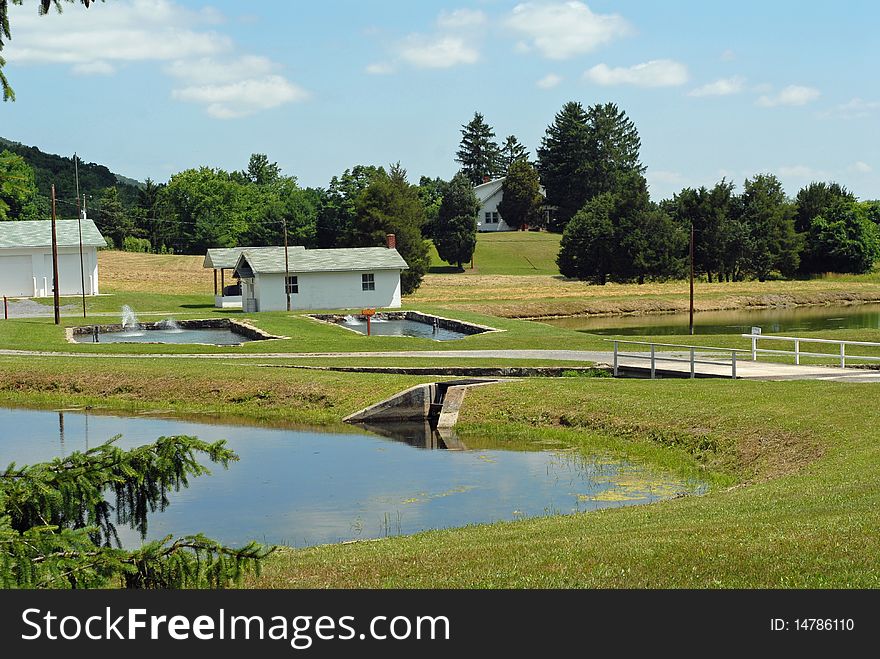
[(50, 168)]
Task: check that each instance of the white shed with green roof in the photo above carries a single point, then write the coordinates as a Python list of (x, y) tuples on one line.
[(350, 278), (26, 258)]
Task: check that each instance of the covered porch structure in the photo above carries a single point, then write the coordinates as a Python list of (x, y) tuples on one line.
[(220, 260)]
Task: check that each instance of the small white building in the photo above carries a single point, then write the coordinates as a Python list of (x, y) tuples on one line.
[(221, 259), (350, 278), (26, 258)]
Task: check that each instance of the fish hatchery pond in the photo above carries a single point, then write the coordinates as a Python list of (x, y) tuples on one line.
[(304, 488)]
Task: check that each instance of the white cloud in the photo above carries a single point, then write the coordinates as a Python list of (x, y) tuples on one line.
[(559, 30), (857, 108), (549, 81), (243, 97), (656, 73), (461, 19), (728, 55), (141, 30), (379, 68), (793, 95), (860, 167), (721, 87), (98, 40), (437, 52)]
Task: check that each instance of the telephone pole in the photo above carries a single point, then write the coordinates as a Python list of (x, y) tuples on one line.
[(79, 216), (57, 302), (691, 324), (286, 267)]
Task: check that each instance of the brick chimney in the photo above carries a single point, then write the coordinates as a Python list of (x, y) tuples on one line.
[(486, 179), (390, 241)]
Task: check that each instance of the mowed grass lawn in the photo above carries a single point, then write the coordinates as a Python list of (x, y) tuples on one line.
[(508, 253)]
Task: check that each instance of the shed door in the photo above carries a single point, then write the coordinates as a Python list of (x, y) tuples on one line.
[(16, 276)]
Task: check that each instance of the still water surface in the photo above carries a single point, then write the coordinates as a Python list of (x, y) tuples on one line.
[(305, 487), (779, 320)]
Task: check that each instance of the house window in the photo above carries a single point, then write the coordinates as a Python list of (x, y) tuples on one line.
[(488, 218), (291, 284), (368, 282), (494, 218)]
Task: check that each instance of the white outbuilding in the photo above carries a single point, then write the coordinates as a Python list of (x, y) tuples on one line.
[(26, 258), (348, 278)]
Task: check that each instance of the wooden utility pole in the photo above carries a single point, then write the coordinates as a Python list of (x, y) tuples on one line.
[(79, 214), (55, 294), (691, 324), (286, 267)]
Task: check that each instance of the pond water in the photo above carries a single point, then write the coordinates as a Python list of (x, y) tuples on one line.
[(777, 320), (381, 327), (220, 336), (305, 487)]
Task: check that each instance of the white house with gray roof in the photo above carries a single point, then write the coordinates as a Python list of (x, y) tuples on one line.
[(490, 194), (349, 278), (26, 258)]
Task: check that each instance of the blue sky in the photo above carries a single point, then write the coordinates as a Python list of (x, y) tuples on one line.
[(152, 87)]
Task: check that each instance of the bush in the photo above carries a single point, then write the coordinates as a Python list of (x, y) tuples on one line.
[(139, 245)]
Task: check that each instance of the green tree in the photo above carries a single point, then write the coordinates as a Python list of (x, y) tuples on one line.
[(113, 220), (521, 199), (614, 146), (587, 249), (563, 158), (478, 153), (44, 6), (512, 151), (582, 155), (202, 208), (709, 212), (57, 527), (842, 239), (262, 172), (814, 199), (622, 236), (338, 214), (455, 233), (431, 191), (768, 215), (18, 189), (390, 204)]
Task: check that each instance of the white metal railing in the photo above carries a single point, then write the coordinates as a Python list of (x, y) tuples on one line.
[(798, 353), (652, 355)]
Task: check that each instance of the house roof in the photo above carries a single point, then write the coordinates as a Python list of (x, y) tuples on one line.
[(38, 233), (486, 190), (227, 257), (269, 260)]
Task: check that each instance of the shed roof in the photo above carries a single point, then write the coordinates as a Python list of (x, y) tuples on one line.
[(38, 233), (269, 260), (227, 257)]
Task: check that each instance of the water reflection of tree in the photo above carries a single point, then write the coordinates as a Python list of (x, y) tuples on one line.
[(58, 528)]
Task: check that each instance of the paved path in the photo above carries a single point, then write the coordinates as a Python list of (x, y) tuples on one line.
[(746, 370)]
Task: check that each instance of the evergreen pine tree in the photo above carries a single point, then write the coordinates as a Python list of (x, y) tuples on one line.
[(455, 232), (478, 153), (521, 198), (58, 527), (512, 151), (562, 161)]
